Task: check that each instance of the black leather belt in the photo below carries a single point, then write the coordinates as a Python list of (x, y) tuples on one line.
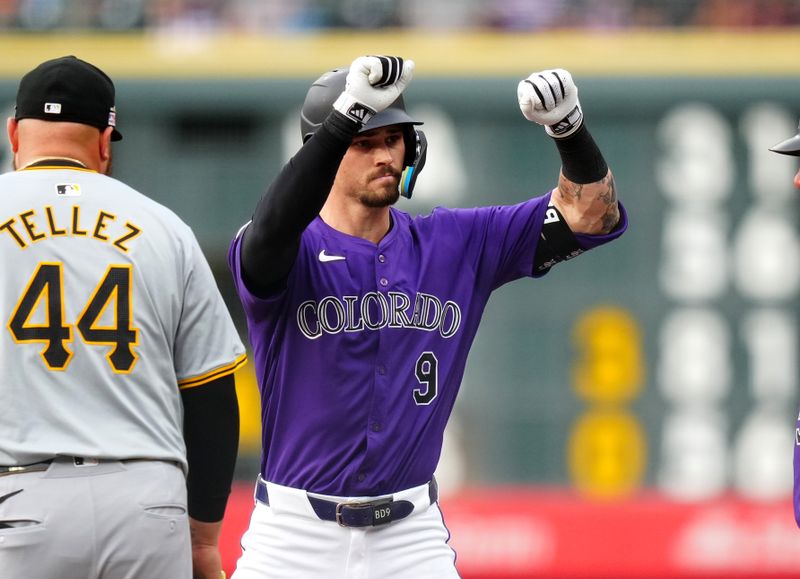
[(357, 514)]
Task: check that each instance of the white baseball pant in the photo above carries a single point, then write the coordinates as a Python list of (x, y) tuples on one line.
[(287, 540)]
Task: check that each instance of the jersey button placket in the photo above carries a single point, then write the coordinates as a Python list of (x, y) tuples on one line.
[(383, 281), (375, 426)]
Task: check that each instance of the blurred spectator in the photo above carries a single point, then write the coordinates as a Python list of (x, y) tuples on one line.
[(275, 15), (293, 15), (184, 14), (8, 12), (442, 14), (606, 14), (527, 14), (747, 13), (121, 14), (40, 14), (367, 13)]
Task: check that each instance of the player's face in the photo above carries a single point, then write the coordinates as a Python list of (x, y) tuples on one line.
[(370, 170)]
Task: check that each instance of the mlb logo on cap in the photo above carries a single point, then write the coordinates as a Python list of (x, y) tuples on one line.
[(52, 108)]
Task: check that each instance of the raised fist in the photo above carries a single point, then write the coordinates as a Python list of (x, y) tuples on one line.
[(550, 98), (372, 84)]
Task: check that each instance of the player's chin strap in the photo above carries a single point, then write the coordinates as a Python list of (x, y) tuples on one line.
[(410, 173)]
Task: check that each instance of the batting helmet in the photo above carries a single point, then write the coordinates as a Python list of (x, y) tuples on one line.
[(319, 101), (790, 146)]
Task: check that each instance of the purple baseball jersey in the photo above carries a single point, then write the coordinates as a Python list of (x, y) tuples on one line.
[(796, 465), (360, 356)]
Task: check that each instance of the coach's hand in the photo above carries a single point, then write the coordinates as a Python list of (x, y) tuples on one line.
[(550, 98), (206, 558), (372, 84)]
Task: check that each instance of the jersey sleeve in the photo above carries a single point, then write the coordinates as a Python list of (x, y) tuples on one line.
[(502, 240), (207, 346), (249, 299)]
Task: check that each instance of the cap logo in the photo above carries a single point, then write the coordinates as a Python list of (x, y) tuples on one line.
[(52, 108)]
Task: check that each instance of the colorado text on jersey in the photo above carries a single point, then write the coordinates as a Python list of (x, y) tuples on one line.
[(375, 310)]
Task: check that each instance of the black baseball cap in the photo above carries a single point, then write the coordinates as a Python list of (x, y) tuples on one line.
[(68, 89)]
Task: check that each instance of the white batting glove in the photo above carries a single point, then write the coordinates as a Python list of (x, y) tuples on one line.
[(372, 84), (550, 98)]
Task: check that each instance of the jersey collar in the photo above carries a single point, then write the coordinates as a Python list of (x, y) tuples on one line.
[(55, 162)]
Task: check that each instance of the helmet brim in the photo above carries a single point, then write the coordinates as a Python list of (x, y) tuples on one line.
[(387, 117), (790, 146)]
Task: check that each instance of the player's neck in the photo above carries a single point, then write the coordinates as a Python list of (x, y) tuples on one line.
[(370, 223)]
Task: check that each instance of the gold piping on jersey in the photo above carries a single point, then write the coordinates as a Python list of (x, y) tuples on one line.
[(55, 161), (213, 374), (58, 167)]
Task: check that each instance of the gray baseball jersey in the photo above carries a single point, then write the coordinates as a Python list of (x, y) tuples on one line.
[(109, 308), (360, 355)]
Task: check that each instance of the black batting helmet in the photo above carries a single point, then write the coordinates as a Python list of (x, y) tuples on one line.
[(327, 88), (790, 146)]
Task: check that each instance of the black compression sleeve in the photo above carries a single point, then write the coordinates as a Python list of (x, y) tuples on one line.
[(211, 433), (581, 159), (292, 201)]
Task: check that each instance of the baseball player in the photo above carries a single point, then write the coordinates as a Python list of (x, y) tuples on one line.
[(791, 146), (361, 317), (117, 356)]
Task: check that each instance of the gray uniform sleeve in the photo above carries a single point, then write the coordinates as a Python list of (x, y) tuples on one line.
[(207, 345)]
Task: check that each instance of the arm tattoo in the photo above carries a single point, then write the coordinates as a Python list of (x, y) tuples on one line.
[(568, 190), (603, 191), (609, 197)]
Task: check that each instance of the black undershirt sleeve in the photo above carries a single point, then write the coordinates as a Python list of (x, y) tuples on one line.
[(581, 159), (211, 433), (296, 196)]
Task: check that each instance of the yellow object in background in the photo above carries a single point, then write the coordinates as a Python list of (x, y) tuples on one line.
[(249, 409)]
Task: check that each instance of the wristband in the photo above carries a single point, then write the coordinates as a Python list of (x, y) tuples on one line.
[(581, 159)]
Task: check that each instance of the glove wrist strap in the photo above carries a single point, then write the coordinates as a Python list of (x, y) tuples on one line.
[(566, 126), (353, 109)]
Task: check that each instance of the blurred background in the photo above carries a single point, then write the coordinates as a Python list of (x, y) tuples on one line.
[(629, 415)]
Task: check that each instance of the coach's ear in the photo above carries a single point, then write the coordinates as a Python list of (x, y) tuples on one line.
[(13, 139), (105, 143), (104, 151)]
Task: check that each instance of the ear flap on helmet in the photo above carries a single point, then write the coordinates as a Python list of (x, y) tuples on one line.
[(412, 169)]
